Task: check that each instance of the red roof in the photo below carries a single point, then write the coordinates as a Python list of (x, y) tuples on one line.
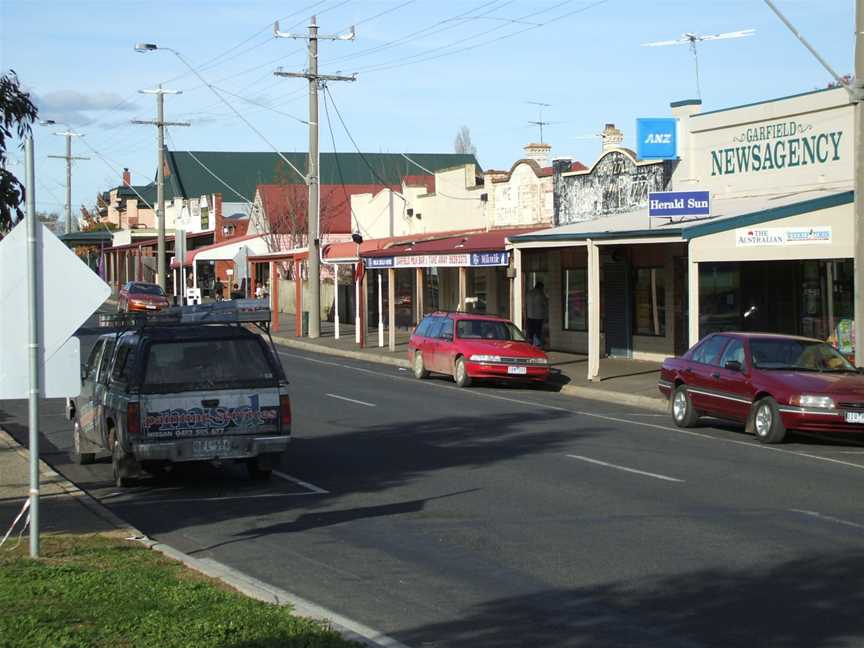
[(490, 241), (348, 249), (285, 205)]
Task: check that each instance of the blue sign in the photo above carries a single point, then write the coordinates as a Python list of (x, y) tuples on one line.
[(679, 203), (378, 262), (490, 258), (656, 139)]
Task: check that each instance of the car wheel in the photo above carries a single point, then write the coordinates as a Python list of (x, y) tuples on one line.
[(258, 470), (460, 374), (418, 367), (683, 412), (81, 458), (767, 423)]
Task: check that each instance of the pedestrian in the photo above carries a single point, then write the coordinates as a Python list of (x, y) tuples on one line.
[(219, 289), (536, 306)]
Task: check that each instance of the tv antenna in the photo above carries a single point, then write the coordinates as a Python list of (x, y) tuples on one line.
[(693, 39), (540, 105)]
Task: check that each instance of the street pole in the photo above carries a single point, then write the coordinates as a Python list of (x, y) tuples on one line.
[(859, 184), (312, 174), (160, 124), (68, 134), (33, 274)]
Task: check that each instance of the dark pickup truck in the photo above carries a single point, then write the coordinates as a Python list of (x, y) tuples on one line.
[(191, 384)]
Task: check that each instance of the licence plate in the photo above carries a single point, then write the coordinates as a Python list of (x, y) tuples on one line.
[(211, 447), (855, 417), (520, 371)]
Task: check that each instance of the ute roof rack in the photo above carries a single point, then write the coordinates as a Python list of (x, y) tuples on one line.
[(235, 311)]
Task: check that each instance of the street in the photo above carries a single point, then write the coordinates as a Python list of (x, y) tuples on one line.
[(517, 517)]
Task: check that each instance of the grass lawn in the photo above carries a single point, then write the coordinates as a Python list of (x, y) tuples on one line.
[(102, 591)]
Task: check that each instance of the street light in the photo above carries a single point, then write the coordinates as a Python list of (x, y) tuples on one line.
[(160, 124)]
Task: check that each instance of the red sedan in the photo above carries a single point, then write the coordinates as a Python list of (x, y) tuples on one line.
[(468, 346), (140, 297), (771, 383)]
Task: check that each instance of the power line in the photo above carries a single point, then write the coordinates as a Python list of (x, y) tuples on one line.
[(419, 58), (210, 171), (115, 169)]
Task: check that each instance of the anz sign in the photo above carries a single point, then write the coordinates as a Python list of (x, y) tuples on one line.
[(655, 138)]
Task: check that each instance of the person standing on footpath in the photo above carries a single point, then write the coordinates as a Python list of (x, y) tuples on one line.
[(536, 305)]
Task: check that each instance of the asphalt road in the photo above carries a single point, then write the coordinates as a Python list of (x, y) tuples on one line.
[(517, 517)]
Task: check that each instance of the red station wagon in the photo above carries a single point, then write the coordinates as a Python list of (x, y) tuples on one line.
[(771, 383), (141, 297), (469, 346)]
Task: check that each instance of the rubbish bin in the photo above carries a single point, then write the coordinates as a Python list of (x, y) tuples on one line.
[(304, 331)]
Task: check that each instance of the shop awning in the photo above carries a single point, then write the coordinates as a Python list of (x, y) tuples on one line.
[(468, 249), (227, 250), (727, 214), (347, 251)]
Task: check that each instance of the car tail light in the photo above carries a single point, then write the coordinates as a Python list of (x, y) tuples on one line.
[(133, 418), (285, 411)]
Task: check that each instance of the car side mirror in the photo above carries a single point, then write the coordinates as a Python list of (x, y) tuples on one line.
[(733, 365)]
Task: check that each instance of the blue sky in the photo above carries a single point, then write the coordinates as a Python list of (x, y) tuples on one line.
[(425, 69)]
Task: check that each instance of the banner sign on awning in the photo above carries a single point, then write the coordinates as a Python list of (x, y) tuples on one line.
[(378, 262), (679, 203), (782, 236), (466, 260)]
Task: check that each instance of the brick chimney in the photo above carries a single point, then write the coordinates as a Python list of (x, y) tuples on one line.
[(538, 152), (127, 178), (612, 137)]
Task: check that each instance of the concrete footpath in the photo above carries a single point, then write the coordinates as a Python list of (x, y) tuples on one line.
[(65, 508)]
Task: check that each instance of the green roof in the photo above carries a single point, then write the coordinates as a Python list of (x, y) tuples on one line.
[(244, 171)]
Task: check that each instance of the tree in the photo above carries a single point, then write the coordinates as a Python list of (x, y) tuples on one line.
[(91, 222), (462, 143), (17, 114)]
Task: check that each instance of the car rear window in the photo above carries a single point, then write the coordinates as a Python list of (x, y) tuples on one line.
[(205, 364), (478, 329), (146, 289)]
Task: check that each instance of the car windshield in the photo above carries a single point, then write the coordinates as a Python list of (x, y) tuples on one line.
[(799, 355), (190, 365), (478, 329), (146, 289)]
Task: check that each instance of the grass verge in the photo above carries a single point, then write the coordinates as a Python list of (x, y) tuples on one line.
[(102, 591)]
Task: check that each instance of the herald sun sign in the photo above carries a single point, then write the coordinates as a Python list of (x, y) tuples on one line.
[(655, 138)]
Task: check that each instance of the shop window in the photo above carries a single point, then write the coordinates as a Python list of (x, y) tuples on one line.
[(719, 297), (650, 302), (430, 290), (477, 288), (575, 296)]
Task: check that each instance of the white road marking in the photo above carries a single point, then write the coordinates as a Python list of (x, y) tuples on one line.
[(666, 428), (312, 487), (625, 468), (351, 400), (829, 518)]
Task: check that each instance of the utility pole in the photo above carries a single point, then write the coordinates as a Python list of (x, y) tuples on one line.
[(859, 183), (856, 94), (160, 124), (312, 179), (69, 134)]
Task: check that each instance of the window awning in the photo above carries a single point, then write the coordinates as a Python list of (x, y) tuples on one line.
[(227, 250)]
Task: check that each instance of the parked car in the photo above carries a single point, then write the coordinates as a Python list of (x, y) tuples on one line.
[(193, 386), (138, 296), (471, 346), (771, 383)]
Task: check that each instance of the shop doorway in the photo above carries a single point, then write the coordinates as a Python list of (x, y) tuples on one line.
[(681, 304), (617, 308)]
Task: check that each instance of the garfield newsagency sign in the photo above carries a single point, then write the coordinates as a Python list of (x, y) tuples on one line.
[(782, 236), (776, 146)]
